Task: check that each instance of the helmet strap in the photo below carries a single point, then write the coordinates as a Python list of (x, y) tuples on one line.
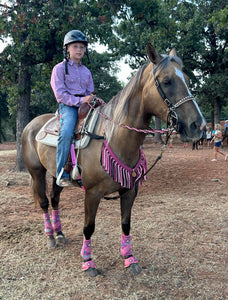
[(66, 57), (87, 54), (65, 53)]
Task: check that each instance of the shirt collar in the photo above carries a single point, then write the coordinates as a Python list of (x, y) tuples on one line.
[(71, 62)]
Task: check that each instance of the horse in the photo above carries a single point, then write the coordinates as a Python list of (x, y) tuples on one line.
[(195, 145), (225, 136), (158, 88)]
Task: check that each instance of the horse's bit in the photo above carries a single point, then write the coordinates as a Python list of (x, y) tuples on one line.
[(172, 117)]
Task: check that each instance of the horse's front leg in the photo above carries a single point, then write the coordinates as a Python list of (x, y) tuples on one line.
[(57, 226), (126, 202), (91, 205)]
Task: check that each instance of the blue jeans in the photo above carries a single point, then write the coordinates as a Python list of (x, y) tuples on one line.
[(68, 119)]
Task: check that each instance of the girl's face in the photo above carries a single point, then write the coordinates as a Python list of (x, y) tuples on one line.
[(76, 51)]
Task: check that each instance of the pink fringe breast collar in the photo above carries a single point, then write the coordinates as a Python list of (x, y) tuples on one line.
[(121, 173)]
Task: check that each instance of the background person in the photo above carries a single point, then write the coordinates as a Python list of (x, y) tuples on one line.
[(217, 138), (208, 136)]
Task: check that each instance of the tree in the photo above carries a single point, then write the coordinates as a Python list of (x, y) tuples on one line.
[(37, 29), (198, 30), (139, 22), (3, 114), (32, 45), (203, 36)]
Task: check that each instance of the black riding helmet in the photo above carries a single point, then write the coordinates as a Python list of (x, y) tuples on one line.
[(75, 36), (72, 37)]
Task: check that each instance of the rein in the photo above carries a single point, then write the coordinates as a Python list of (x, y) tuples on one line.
[(168, 131), (172, 121), (146, 131)]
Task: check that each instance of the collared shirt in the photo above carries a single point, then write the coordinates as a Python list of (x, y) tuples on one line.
[(78, 82)]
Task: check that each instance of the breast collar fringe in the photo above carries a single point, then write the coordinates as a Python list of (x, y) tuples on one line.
[(121, 173)]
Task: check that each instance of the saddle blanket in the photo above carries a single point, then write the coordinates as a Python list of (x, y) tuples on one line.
[(49, 133)]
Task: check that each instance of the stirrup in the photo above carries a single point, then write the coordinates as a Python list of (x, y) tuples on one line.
[(75, 173)]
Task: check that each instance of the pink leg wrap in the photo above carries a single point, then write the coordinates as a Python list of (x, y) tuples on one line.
[(88, 264), (125, 245), (129, 261), (86, 249), (56, 220), (48, 229)]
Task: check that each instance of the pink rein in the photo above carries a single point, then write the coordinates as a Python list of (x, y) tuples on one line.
[(146, 131)]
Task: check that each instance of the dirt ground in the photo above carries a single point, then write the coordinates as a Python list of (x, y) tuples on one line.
[(179, 234)]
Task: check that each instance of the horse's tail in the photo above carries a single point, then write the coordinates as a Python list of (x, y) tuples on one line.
[(36, 191)]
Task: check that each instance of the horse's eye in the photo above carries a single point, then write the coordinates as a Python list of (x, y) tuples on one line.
[(167, 81)]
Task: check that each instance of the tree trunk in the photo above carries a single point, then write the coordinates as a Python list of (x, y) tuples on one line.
[(212, 119), (24, 92), (217, 110), (0, 127), (158, 138)]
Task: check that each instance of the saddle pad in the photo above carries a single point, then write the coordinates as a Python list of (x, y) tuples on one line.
[(51, 139)]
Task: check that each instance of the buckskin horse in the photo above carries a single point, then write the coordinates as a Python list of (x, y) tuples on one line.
[(225, 136), (116, 163)]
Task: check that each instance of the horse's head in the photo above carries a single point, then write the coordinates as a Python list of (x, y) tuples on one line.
[(170, 88)]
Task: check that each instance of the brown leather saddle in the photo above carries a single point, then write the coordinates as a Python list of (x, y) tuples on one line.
[(87, 118)]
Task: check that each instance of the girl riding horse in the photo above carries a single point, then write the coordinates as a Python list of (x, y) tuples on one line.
[(159, 88)]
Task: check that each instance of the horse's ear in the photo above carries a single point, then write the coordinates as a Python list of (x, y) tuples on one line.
[(173, 52), (153, 55)]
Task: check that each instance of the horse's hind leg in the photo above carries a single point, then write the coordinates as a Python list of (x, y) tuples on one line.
[(57, 226), (126, 201), (39, 191)]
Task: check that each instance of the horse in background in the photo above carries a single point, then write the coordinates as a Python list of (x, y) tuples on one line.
[(195, 145), (225, 136), (225, 132), (116, 164)]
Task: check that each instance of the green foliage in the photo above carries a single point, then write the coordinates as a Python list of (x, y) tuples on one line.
[(212, 84), (102, 66), (42, 97), (139, 22), (37, 29), (197, 29)]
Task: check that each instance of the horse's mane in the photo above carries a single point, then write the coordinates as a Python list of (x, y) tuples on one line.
[(117, 107)]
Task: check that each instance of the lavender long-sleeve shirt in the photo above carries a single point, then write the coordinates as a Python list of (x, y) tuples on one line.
[(78, 82)]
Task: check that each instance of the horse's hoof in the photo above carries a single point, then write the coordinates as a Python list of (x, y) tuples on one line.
[(91, 272), (135, 268), (51, 243), (60, 240)]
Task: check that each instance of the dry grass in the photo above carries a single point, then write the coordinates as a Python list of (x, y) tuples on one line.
[(179, 235)]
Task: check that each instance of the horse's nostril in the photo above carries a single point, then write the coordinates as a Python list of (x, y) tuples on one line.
[(198, 125), (194, 126)]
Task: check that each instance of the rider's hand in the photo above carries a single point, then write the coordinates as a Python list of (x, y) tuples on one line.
[(87, 98)]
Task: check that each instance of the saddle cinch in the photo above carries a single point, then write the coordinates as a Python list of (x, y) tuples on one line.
[(87, 119)]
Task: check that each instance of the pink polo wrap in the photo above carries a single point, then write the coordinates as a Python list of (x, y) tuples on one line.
[(48, 229), (125, 245), (56, 220), (86, 249)]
